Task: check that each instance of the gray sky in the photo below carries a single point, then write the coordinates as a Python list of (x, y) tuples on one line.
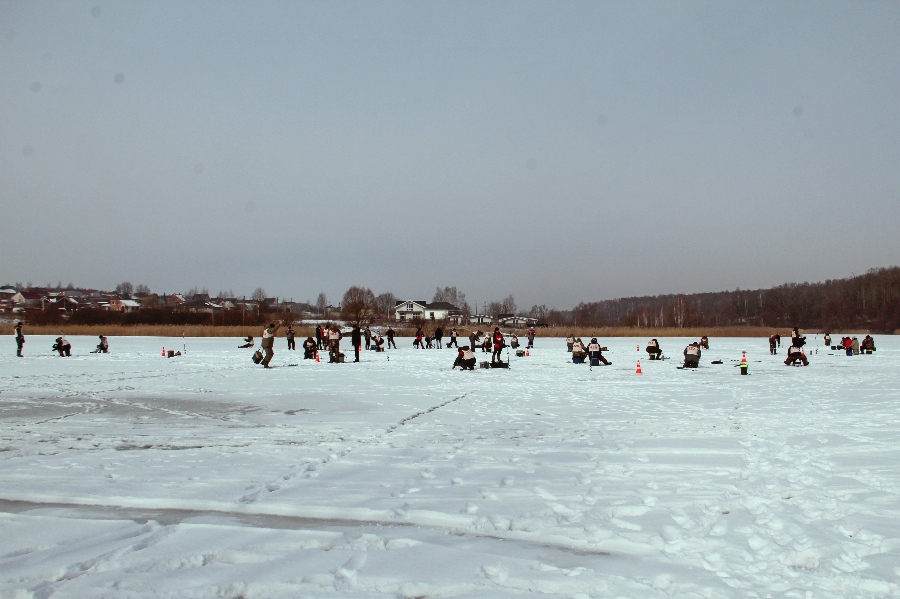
[(561, 152)]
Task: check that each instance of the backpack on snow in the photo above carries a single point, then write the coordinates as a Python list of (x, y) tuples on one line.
[(257, 356)]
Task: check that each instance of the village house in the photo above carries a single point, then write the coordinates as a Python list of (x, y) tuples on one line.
[(123, 305), (419, 309)]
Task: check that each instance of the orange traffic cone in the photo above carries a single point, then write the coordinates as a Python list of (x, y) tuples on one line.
[(317, 356), (638, 371), (527, 353), (163, 352)]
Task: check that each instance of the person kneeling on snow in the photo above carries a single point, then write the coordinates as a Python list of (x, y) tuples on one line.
[(309, 348), (654, 350), (794, 355), (248, 342), (692, 355), (595, 353), (465, 358), (62, 346), (102, 347), (578, 351)]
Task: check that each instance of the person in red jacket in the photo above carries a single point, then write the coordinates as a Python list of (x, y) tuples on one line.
[(499, 344)]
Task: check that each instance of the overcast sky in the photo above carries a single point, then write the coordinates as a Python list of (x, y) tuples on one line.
[(558, 151)]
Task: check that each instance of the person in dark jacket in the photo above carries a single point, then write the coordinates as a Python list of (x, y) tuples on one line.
[(390, 338), (20, 339), (692, 355), (438, 335), (595, 353), (474, 339), (531, 333), (654, 350), (774, 341), (309, 348), (320, 337), (704, 342), (248, 342), (795, 354), (356, 340), (268, 342), (367, 333)]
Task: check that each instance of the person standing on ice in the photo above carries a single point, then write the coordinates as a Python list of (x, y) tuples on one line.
[(499, 343), (334, 343), (320, 337), (20, 339), (570, 341), (774, 340), (692, 355), (368, 336), (356, 340), (420, 339), (453, 336), (390, 338), (289, 335), (268, 342), (531, 332), (827, 339), (474, 339), (438, 335)]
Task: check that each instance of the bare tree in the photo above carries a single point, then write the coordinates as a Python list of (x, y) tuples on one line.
[(322, 303), (125, 288), (453, 296), (142, 290), (259, 295), (358, 305), (386, 303)]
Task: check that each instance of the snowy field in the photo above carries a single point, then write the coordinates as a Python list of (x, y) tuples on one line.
[(130, 475)]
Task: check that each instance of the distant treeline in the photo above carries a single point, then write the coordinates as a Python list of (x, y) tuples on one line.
[(870, 301)]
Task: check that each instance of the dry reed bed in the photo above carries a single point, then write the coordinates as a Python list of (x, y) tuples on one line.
[(306, 330)]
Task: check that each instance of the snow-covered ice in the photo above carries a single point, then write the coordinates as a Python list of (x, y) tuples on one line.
[(133, 475)]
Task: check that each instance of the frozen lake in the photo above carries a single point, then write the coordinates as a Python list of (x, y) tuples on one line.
[(133, 475)]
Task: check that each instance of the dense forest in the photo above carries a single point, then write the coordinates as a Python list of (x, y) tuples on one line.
[(870, 301)]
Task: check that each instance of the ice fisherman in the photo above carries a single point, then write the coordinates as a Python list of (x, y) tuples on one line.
[(499, 342), (356, 340), (531, 333), (453, 336), (774, 340), (289, 334), (438, 335), (310, 347), (268, 342), (20, 339), (390, 338), (692, 355), (570, 342), (795, 354), (654, 350), (103, 346), (63, 347), (465, 358), (704, 342), (248, 342), (595, 353)]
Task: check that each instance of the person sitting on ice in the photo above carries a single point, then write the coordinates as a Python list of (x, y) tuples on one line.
[(795, 355), (704, 342), (309, 348), (827, 339), (102, 347), (578, 351), (63, 347), (692, 355), (854, 345), (514, 341), (867, 345), (654, 350), (774, 340), (465, 358), (595, 353), (248, 342)]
